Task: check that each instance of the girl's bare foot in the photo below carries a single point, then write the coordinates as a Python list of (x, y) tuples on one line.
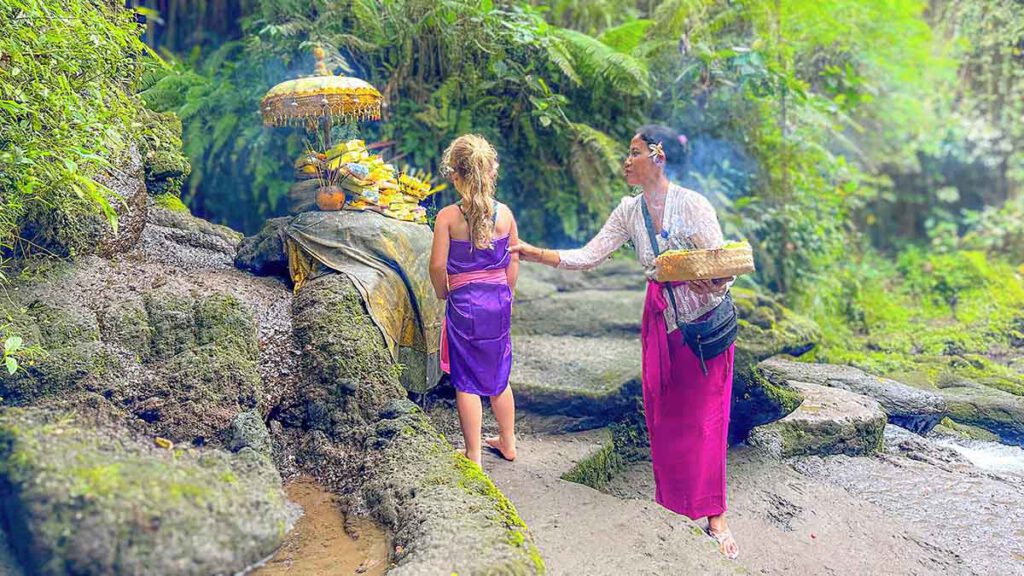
[(508, 453), (476, 460)]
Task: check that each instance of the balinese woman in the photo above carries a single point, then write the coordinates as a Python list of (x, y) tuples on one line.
[(686, 395)]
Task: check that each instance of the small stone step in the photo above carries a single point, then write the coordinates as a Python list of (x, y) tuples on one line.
[(595, 380), (829, 421)]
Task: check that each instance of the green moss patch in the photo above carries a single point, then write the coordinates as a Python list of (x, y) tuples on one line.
[(74, 493)]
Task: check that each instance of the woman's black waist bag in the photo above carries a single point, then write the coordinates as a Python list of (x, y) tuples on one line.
[(716, 330)]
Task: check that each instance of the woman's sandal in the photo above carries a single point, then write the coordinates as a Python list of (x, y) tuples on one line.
[(724, 538)]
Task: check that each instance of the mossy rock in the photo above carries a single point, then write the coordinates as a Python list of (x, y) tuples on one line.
[(445, 514), (172, 319), (758, 400), (184, 364), (75, 226), (998, 412), (171, 202), (828, 421), (199, 393), (910, 408), (249, 431), (626, 443), (948, 427), (594, 381), (347, 363), (263, 254), (176, 238), (166, 166), (787, 333), (205, 370), (64, 324), (60, 371), (604, 313), (126, 323), (84, 500)]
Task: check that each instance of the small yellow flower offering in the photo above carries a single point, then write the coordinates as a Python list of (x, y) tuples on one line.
[(733, 259)]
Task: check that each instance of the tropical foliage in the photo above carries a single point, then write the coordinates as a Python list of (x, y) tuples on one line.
[(67, 74), (812, 124)]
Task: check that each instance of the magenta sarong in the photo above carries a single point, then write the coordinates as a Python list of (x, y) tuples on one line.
[(687, 416)]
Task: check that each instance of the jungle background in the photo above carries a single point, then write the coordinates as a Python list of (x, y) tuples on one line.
[(870, 151)]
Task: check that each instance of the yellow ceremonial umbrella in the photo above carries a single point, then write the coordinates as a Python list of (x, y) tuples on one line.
[(317, 100)]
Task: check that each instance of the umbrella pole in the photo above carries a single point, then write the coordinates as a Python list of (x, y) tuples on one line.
[(327, 132)]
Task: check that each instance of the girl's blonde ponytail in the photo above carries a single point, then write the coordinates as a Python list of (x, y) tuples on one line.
[(476, 162)]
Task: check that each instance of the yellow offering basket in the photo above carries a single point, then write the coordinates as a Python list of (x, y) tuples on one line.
[(684, 265)]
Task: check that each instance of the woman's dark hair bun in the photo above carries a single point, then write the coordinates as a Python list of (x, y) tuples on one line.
[(671, 142)]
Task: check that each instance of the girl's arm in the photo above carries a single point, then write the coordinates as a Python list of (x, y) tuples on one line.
[(439, 255), (512, 272)]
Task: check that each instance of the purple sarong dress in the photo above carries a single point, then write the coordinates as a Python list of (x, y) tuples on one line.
[(476, 335)]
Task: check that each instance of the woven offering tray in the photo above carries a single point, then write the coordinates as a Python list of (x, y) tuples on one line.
[(732, 259)]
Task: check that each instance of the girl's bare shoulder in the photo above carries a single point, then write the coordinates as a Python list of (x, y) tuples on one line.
[(447, 213)]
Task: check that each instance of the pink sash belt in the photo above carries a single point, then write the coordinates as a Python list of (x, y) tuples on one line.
[(456, 281)]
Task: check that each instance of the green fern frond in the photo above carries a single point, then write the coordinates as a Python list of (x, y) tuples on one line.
[(559, 55), (595, 59), (672, 16), (626, 37), (594, 159)]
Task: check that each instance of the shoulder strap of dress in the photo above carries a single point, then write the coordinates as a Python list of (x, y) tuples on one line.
[(494, 209)]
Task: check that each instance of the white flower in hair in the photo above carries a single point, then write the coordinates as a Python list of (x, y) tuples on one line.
[(657, 152)]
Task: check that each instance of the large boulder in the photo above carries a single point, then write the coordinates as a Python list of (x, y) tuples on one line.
[(82, 499), (87, 230), (360, 434), (445, 514), (129, 202), (911, 408), (176, 238), (766, 329), (828, 421), (350, 374), (180, 356), (166, 166)]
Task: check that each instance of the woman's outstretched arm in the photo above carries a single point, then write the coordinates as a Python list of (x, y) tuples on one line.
[(613, 234)]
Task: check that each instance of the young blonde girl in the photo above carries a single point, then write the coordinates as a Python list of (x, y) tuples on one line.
[(472, 269)]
